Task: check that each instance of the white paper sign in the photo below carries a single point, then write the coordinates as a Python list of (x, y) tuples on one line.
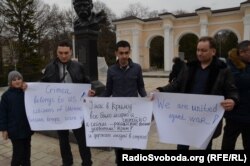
[(187, 119), (118, 122), (55, 106)]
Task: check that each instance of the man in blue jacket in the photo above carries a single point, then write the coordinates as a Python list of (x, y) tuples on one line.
[(124, 79), (238, 120)]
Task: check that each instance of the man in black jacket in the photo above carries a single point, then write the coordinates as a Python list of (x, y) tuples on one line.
[(208, 75), (238, 120), (64, 70), (176, 68)]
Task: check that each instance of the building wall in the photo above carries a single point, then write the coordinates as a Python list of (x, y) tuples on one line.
[(204, 22)]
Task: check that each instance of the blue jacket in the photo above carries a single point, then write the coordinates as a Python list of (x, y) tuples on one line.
[(125, 82), (13, 117), (241, 73)]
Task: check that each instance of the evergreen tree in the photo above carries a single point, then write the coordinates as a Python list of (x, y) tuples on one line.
[(20, 27)]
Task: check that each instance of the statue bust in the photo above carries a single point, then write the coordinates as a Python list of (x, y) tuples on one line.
[(87, 19)]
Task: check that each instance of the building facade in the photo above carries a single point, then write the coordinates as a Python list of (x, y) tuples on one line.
[(203, 22)]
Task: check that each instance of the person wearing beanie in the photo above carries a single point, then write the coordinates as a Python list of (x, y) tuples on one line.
[(14, 75), (13, 120)]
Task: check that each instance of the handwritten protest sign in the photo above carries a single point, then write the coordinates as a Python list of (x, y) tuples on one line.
[(55, 106), (117, 122), (187, 119)]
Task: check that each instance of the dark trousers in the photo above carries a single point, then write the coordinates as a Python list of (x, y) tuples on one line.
[(21, 152), (65, 148), (232, 130), (117, 152), (186, 147)]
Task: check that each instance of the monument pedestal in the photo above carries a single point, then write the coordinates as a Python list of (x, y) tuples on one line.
[(86, 51)]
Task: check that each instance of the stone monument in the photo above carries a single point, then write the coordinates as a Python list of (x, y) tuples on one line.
[(86, 30)]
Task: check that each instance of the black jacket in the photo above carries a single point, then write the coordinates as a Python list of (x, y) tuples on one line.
[(241, 73), (176, 69), (13, 117), (220, 82), (75, 69)]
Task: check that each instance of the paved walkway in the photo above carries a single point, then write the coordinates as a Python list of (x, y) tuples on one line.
[(45, 150)]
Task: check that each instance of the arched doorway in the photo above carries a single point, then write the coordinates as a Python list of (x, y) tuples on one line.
[(156, 53), (187, 46), (225, 41)]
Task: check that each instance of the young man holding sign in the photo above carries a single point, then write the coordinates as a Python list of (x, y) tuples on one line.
[(64, 70), (124, 79), (208, 75)]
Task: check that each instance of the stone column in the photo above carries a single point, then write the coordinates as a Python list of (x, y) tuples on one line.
[(168, 47), (246, 22), (203, 28), (204, 14), (135, 46), (118, 36), (86, 51)]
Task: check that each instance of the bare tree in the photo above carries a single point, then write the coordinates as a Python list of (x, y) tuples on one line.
[(180, 12), (153, 14), (43, 17), (1, 23), (70, 16), (141, 11), (98, 6), (58, 23), (58, 27), (137, 10), (163, 11)]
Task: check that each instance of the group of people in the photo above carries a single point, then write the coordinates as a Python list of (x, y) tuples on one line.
[(208, 75)]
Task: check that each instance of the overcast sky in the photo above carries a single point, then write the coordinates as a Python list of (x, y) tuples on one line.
[(118, 6)]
